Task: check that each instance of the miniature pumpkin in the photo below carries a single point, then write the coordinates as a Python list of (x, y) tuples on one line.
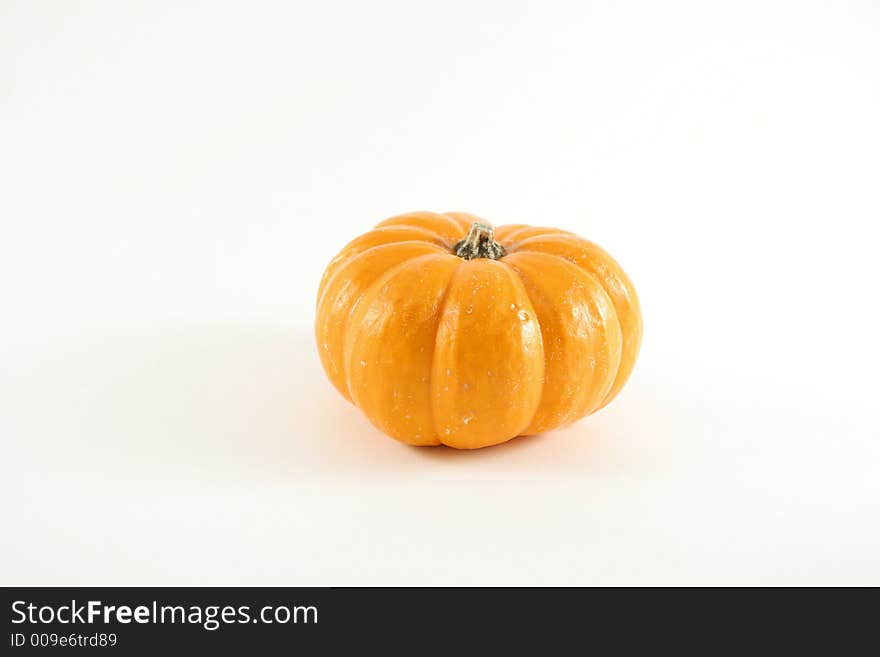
[(444, 330)]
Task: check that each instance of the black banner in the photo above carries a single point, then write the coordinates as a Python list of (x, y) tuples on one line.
[(150, 620)]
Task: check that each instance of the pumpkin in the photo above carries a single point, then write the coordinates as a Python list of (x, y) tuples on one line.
[(443, 330)]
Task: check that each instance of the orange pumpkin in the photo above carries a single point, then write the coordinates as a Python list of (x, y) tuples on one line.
[(444, 330)]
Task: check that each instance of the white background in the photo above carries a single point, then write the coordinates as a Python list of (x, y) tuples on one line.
[(175, 176)]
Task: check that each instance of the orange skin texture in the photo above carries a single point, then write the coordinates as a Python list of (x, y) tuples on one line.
[(436, 349)]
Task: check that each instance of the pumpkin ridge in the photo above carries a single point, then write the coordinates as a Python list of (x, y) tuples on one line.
[(513, 240), (429, 236), (325, 311), (611, 391), (437, 238), (447, 233), (444, 302), (510, 307), (541, 330), (463, 219), (346, 262), (518, 279), (503, 231), (386, 275), (354, 248), (529, 271), (513, 272), (623, 296), (441, 310)]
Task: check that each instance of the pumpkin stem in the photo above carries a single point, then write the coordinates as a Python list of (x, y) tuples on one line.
[(480, 243)]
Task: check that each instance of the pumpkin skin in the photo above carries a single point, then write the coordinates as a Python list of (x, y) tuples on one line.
[(524, 331)]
